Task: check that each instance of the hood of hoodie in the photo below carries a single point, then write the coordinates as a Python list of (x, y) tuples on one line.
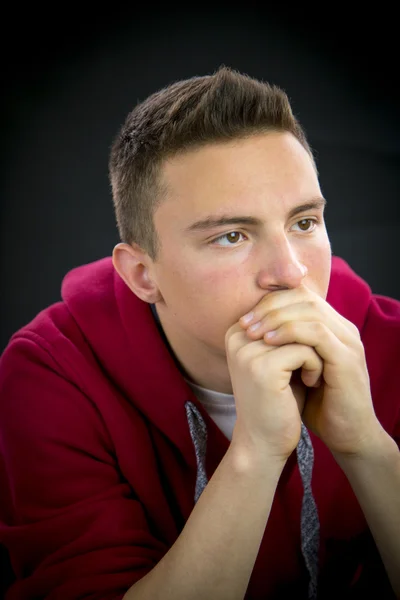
[(122, 334)]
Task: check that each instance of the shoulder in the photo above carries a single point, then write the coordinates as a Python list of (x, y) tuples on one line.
[(353, 298)]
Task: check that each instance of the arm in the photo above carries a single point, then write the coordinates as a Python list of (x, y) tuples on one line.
[(374, 475), (216, 551), (72, 526), (91, 535), (340, 410), (215, 554)]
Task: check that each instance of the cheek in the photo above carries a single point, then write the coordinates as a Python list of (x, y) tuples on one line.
[(210, 295), (187, 287), (319, 267), (226, 293), (224, 281)]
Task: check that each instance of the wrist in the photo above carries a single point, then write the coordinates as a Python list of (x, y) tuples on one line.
[(250, 455), (272, 447), (377, 444)]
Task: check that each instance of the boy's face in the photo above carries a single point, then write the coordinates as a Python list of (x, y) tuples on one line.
[(209, 277)]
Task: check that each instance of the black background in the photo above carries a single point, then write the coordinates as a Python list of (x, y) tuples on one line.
[(70, 77)]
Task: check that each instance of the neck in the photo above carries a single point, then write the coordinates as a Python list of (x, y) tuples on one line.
[(204, 365)]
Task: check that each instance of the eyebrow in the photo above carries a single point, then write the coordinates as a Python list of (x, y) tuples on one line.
[(210, 222)]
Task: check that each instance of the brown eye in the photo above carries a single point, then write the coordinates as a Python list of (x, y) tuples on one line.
[(233, 236), (231, 239), (305, 224)]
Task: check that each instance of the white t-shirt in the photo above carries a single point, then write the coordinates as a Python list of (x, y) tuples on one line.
[(221, 407)]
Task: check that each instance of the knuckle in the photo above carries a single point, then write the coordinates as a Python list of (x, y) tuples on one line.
[(273, 314), (289, 328), (243, 355), (320, 329), (251, 357), (313, 359), (259, 368), (233, 341), (360, 353), (232, 330), (254, 367), (268, 303), (313, 304)]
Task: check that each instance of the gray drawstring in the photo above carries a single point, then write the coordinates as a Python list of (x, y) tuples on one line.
[(309, 521), (198, 433)]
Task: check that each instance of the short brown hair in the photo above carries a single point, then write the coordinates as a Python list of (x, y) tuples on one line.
[(185, 115)]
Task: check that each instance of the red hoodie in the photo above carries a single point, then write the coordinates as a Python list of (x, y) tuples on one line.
[(98, 469)]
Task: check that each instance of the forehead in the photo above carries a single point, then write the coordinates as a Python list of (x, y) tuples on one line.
[(263, 171)]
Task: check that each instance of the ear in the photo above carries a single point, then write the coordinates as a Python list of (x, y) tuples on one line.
[(134, 266)]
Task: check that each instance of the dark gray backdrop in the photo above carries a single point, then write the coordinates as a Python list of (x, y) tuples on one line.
[(72, 78)]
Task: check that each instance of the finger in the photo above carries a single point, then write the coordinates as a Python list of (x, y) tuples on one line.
[(314, 334), (313, 377), (275, 301), (305, 311), (238, 344), (278, 370), (239, 347)]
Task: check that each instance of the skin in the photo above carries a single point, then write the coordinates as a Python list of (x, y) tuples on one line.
[(202, 289)]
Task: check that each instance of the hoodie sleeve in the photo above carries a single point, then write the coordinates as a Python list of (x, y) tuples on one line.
[(71, 524), (381, 338)]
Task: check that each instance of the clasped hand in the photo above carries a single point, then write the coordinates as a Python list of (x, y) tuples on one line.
[(338, 406)]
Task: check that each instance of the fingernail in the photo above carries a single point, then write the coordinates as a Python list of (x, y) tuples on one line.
[(255, 326), (247, 318), (270, 334)]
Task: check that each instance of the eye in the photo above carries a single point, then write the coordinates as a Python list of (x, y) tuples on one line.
[(306, 224), (233, 237)]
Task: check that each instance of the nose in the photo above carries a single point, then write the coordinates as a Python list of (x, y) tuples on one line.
[(281, 267)]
